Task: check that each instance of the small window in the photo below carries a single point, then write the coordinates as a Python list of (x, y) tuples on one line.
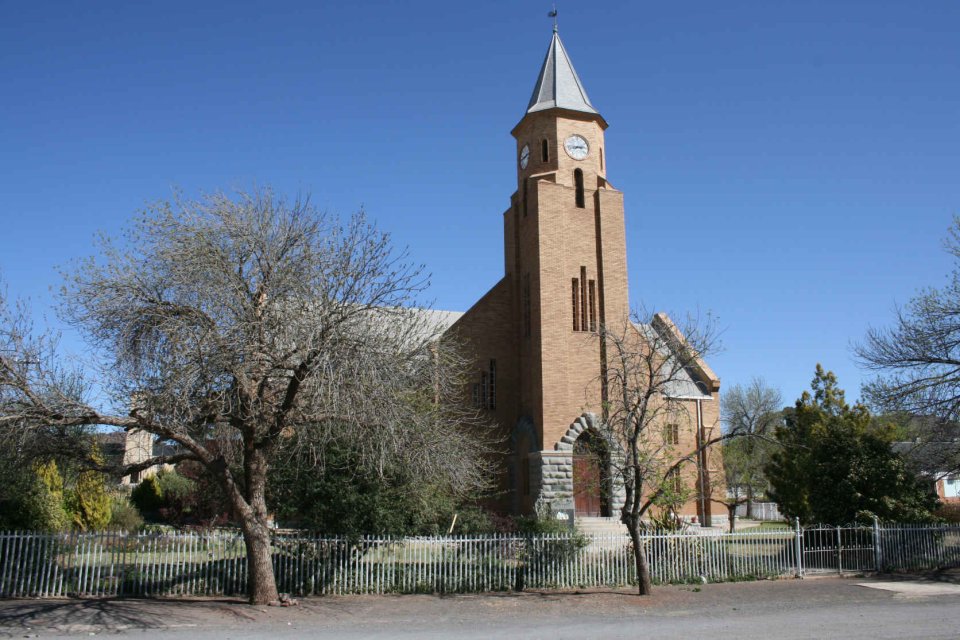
[(545, 151), (671, 434), (601, 158), (578, 182), (673, 481), (135, 477)]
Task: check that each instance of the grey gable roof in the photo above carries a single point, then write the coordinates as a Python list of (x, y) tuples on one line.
[(558, 84), (684, 385)]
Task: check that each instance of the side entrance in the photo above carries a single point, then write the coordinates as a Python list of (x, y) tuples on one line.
[(590, 481)]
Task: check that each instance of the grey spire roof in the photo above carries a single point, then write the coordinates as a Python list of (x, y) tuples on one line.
[(558, 84)]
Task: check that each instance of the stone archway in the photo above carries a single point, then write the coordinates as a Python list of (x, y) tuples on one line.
[(611, 485)]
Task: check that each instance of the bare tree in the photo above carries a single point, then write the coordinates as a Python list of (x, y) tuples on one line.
[(237, 324), (656, 378), (751, 410), (917, 359)]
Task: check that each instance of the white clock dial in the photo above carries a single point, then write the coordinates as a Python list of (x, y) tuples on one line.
[(576, 147), (524, 156)]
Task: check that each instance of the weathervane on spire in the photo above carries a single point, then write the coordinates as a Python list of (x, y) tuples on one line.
[(553, 14)]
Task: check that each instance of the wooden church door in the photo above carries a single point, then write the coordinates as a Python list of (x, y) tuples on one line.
[(587, 477), (586, 485)]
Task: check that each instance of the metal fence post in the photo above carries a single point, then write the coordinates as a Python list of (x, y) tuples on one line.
[(877, 549), (798, 546), (839, 552)]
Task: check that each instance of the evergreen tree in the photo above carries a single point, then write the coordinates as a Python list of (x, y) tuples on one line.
[(43, 504), (834, 468), (89, 501)]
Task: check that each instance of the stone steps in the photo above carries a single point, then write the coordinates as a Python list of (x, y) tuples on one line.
[(589, 525)]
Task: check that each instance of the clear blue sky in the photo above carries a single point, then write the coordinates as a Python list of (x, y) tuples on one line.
[(790, 166)]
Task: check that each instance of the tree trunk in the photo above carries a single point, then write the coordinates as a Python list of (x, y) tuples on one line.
[(749, 513), (261, 582), (732, 515), (644, 586)]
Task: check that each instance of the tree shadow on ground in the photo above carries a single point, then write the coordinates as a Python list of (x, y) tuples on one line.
[(949, 574), (114, 614)]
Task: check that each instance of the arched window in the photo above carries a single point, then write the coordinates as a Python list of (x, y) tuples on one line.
[(544, 151), (601, 158), (578, 182)]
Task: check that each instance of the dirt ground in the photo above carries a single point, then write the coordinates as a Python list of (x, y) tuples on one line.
[(746, 609)]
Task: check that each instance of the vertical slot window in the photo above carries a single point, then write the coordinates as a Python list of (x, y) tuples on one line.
[(592, 292), (545, 151), (578, 183), (492, 398), (583, 299), (484, 388), (526, 305), (575, 300)]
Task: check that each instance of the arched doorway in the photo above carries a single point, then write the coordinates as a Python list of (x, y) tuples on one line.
[(590, 475)]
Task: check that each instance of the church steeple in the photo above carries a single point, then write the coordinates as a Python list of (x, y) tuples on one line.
[(558, 85)]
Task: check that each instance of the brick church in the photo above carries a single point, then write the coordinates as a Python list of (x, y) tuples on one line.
[(534, 333)]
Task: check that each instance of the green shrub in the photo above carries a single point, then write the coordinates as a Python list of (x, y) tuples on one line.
[(174, 487), (123, 515), (147, 497), (473, 520)]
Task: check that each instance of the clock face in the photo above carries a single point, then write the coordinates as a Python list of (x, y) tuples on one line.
[(524, 156), (576, 147)]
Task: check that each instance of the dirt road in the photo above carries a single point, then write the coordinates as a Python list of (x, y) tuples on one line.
[(814, 608)]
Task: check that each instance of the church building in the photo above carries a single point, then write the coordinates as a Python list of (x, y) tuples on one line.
[(534, 334)]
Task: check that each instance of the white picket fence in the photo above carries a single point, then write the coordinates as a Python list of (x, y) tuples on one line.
[(214, 563), (766, 511)]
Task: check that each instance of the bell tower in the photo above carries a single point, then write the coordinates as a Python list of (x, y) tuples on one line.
[(565, 251)]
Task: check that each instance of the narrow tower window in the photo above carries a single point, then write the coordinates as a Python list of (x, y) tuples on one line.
[(545, 151), (575, 300), (484, 388), (526, 305), (524, 198), (492, 400), (601, 158), (592, 292), (578, 182), (583, 298)]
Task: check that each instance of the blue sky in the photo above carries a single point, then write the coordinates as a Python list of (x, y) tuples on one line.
[(790, 167)]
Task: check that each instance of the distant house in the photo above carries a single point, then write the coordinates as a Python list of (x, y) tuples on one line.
[(936, 462), (123, 448)]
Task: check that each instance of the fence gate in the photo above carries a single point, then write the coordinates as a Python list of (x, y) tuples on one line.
[(829, 549)]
